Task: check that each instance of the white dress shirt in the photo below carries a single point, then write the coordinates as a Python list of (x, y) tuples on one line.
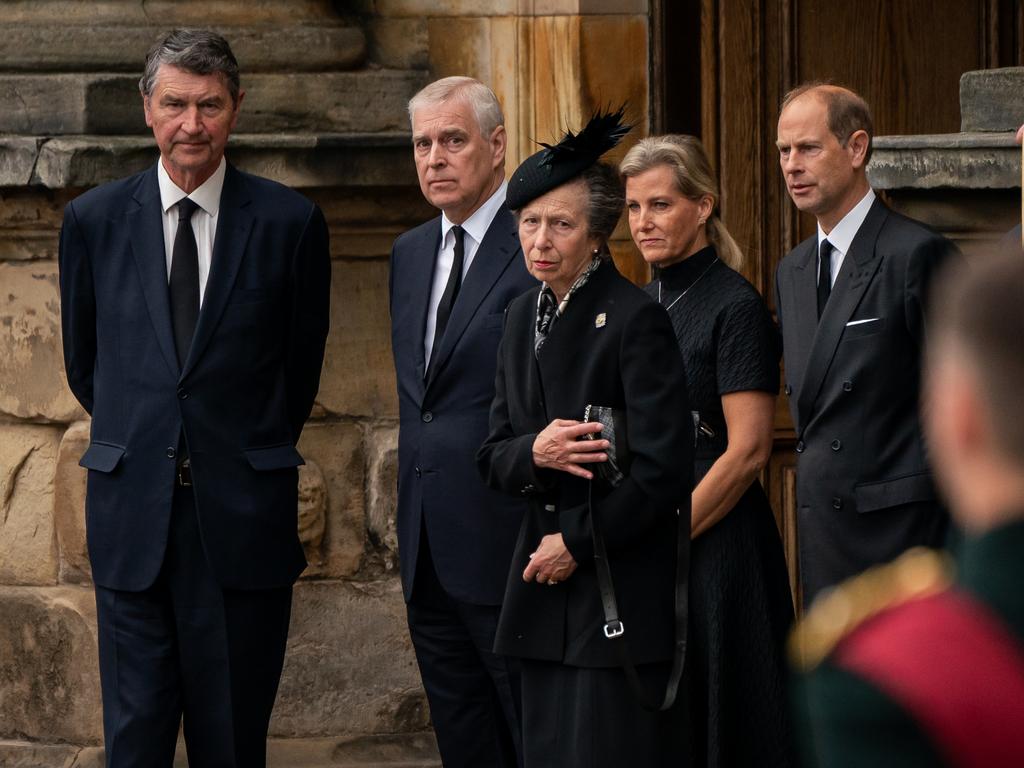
[(204, 220), (475, 228), (842, 234)]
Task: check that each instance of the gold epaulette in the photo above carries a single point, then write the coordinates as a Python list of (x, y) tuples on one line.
[(838, 611)]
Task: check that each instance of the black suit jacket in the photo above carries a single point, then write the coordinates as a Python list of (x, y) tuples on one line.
[(613, 347), (864, 487), (241, 397), (471, 529)]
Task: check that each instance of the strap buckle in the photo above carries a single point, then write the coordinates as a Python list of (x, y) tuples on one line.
[(614, 629)]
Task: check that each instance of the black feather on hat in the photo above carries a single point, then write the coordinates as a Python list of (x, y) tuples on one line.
[(555, 165)]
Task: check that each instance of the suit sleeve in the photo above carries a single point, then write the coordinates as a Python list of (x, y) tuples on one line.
[(923, 264), (659, 431), (77, 309), (310, 321)]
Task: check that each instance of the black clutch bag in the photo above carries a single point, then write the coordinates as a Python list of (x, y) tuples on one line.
[(613, 429)]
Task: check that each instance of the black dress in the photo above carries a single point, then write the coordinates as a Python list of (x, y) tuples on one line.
[(740, 604)]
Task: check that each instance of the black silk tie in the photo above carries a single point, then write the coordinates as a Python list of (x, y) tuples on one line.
[(451, 291), (184, 283), (824, 275)]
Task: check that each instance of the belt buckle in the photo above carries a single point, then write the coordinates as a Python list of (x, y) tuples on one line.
[(614, 629), (185, 474)]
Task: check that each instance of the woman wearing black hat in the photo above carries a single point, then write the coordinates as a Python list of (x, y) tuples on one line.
[(588, 337)]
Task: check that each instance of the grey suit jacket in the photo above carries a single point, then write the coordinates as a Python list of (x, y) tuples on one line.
[(864, 488)]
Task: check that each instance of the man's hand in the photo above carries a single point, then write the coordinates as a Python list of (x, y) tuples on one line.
[(551, 563), (560, 446)]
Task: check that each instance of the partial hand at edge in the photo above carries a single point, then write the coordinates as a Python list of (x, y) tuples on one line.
[(551, 562), (560, 445)]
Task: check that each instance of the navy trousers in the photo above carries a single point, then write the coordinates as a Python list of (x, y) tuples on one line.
[(188, 651), (474, 694)]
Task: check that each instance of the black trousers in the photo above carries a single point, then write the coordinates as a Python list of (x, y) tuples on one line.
[(473, 692), (187, 650)]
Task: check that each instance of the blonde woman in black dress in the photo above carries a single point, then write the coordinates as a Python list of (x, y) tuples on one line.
[(740, 609)]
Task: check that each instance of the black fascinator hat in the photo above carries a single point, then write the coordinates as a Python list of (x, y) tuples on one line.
[(555, 165)]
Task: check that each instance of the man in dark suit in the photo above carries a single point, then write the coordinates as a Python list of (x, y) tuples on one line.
[(451, 280), (851, 301), (194, 304)]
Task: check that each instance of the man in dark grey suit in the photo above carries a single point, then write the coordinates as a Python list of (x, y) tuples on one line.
[(451, 280), (850, 301)]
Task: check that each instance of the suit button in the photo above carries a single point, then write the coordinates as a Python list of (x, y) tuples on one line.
[(800, 446), (847, 386), (419, 473), (171, 453), (788, 390), (182, 394), (837, 503), (427, 417), (836, 445)]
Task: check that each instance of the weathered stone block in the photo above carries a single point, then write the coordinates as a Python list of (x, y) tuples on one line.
[(26, 754), (18, 159), (398, 43), (992, 99), (28, 548), (168, 13), (49, 675), (30, 221), (955, 160), (382, 459), (32, 380), (350, 669), (69, 505), (336, 451), (358, 377)]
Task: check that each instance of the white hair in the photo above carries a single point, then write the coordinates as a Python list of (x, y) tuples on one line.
[(466, 90)]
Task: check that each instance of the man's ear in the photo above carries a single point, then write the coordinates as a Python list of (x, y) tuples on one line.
[(237, 108), (499, 143), (145, 111), (857, 145)]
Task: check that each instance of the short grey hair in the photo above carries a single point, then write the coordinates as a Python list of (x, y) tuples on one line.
[(199, 51), (465, 90)]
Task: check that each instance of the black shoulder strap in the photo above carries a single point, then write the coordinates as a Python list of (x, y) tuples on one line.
[(615, 630)]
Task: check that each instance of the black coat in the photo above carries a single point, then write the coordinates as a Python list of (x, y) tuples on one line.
[(865, 491), (471, 528), (613, 347), (241, 397)]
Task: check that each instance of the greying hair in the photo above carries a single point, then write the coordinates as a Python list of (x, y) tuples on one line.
[(848, 112), (685, 157), (464, 90), (605, 200), (199, 51)]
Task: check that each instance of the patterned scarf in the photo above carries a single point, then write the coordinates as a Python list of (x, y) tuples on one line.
[(549, 309)]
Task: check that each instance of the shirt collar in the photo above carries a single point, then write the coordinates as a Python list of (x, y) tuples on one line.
[(206, 195), (476, 226), (841, 236)]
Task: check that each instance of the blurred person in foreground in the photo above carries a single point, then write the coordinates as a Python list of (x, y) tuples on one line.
[(741, 608), (921, 662), (588, 336)]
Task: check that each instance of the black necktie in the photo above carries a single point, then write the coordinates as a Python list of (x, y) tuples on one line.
[(451, 291), (184, 284), (824, 275)]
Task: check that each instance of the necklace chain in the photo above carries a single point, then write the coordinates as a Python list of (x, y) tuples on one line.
[(687, 290)]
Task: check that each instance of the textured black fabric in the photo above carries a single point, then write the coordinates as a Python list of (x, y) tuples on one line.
[(184, 282), (824, 274), (740, 603)]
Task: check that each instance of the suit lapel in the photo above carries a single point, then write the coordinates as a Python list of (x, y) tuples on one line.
[(859, 267), (234, 222), (146, 234), (499, 247), (420, 274)]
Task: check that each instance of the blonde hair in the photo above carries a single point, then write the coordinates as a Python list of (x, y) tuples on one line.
[(686, 157)]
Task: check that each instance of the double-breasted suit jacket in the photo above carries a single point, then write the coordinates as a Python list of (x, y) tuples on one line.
[(865, 491), (471, 529), (613, 347), (240, 399)]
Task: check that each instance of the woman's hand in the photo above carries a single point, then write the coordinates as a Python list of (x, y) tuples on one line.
[(560, 446), (551, 562)]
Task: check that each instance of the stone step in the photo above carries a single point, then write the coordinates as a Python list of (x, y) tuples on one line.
[(168, 13), (60, 48), (109, 103), (992, 99), (298, 160)]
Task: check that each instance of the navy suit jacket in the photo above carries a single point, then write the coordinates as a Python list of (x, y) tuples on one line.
[(471, 529), (240, 399), (865, 491)]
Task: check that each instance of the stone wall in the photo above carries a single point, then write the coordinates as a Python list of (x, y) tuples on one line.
[(325, 113)]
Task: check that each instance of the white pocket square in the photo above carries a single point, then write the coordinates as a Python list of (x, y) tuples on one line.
[(861, 322)]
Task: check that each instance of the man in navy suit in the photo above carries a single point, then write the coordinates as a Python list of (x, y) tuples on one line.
[(851, 303), (194, 305), (451, 280)]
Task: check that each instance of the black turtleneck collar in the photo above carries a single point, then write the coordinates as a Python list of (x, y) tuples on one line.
[(682, 274)]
